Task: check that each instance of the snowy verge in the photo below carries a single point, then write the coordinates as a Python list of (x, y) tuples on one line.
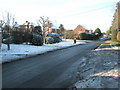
[(19, 51), (100, 70)]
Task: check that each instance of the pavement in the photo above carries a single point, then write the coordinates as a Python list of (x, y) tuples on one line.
[(101, 69)]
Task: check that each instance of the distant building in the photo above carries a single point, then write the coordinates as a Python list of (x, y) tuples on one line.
[(80, 29), (54, 29), (90, 31), (27, 26), (15, 26)]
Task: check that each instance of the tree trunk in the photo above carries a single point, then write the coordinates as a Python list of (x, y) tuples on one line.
[(8, 46), (118, 36)]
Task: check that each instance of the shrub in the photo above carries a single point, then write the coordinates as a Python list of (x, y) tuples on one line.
[(56, 39), (55, 36), (98, 32), (8, 40), (37, 29), (17, 37), (68, 34), (86, 36), (83, 36), (114, 35), (5, 35), (27, 36), (37, 40), (95, 37), (49, 40)]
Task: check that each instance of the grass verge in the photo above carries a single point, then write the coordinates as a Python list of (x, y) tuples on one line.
[(117, 43)]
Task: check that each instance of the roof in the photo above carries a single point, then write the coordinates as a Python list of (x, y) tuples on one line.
[(16, 25), (54, 27), (80, 29), (84, 27), (33, 24)]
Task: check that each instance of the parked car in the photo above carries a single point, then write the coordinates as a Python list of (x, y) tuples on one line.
[(104, 38)]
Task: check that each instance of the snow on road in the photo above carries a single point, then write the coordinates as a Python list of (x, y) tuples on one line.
[(18, 51)]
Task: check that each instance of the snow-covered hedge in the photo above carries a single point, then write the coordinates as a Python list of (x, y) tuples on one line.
[(37, 40), (49, 40), (53, 38), (8, 40)]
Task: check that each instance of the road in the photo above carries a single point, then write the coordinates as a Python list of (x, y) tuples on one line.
[(52, 70)]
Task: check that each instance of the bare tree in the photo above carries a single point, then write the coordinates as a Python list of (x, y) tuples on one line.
[(1, 31), (8, 20), (45, 23)]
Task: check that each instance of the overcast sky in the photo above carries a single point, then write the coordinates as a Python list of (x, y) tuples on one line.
[(70, 13)]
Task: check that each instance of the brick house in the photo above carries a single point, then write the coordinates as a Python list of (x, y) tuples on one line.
[(80, 29), (54, 29)]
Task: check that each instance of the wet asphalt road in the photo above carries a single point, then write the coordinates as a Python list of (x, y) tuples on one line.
[(51, 70)]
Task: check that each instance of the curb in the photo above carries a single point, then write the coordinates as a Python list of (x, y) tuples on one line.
[(104, 43), (114, 47)]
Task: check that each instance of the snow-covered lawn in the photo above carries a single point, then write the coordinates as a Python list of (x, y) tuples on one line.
[(23, 50)]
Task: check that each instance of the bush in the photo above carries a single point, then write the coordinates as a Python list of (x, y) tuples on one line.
[(37, 29), (17, 37), (5, 35), (8, 40), (95, 37), (27, 36), (98, 32), (83, 36), (86, 36), (37, 40), (49, 40), (114, 35), (57, 39), (55, 36), (68, 34)]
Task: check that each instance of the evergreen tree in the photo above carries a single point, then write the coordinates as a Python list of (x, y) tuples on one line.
[(109, 32), (61, 27), (98, 32), (114, 35)]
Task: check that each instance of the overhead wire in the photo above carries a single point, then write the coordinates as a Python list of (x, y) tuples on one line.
[(88, 11)]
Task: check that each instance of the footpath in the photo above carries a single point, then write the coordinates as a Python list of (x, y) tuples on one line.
[(100, 69)]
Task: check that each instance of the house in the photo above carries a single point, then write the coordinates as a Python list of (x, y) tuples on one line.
[(90, 31), (80, 29), (24, 27), (54, 29)]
